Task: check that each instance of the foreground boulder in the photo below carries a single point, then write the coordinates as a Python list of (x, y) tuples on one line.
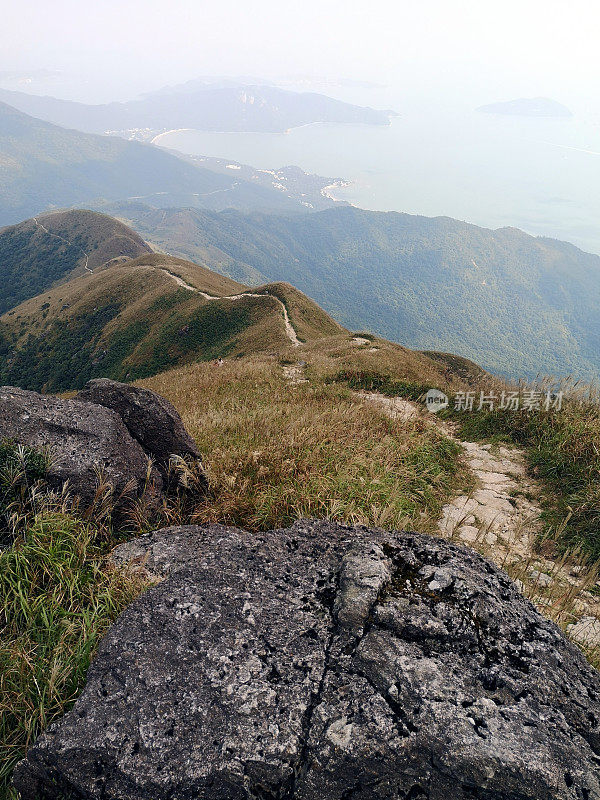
[(324, 663), (86, 441), (148, 417)]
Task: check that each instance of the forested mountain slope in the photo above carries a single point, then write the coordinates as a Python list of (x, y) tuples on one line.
[(514, 303)]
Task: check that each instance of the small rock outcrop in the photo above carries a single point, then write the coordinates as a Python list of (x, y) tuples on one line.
[(149, 418), (324, 663), (84, 440)]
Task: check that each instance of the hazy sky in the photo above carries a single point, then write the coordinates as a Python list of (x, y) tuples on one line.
[(528, 47)]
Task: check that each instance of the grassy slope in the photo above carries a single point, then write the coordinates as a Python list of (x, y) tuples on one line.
[(133, 320), (514, 303), (277, 451), (32, 260)]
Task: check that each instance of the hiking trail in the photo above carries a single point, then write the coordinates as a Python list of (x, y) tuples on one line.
[(289, 328), (502, 519)]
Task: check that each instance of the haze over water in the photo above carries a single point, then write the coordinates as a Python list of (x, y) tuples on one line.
[(441, 157)]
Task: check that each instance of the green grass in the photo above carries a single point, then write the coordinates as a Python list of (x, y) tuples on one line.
[(370, 381), (57, 598)]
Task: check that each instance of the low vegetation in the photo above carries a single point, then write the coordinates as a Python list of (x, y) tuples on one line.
[(276, 451), (370, 381)]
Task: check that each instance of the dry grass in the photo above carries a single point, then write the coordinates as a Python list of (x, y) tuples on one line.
[(327, 358), (276, 452)]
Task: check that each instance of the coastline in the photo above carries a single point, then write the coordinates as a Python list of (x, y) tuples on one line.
[(327, 191), (166, 133)]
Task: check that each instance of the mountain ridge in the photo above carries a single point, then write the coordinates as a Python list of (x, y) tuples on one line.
[(205, 107), (56, 246), (514, 303), (135, 319)]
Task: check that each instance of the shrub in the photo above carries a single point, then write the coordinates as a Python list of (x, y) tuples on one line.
[(376, 382)]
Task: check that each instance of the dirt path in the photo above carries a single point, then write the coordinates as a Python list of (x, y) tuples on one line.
[(503, 509), (62, 238), (289, 328), (501, 518)]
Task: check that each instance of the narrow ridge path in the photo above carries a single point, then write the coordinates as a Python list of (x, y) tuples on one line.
[(62, 238), (501, 518), (289, 328)]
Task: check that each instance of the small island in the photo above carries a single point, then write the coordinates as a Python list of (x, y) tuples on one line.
[(528, 107)]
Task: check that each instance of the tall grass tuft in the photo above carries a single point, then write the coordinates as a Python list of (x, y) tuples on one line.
[(22, 474), (57, 597)]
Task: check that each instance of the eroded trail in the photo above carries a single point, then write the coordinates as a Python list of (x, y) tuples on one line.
[(503, 510), (289, 328), (502, 518)]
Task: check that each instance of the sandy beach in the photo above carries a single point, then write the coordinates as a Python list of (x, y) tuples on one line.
[(327, 191), (157, 138)]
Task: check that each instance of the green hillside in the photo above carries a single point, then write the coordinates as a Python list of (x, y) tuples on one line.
[(45, 167), (135, 319), (39, 252), (514, 303)]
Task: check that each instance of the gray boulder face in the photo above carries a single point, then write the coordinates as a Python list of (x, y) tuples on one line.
[(324, 663), (83, 439), (148, 417)]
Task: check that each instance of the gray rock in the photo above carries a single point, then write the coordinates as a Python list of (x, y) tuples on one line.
[(586, 631), (541, 578), (148, 417), (83, 439), (316, 663)]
